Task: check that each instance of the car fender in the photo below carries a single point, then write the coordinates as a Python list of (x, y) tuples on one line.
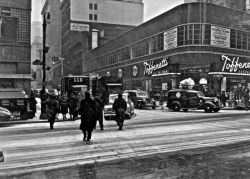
[(176, 103), (210, 104)]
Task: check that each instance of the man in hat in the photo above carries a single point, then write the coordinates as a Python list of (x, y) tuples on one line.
[(120, 106)]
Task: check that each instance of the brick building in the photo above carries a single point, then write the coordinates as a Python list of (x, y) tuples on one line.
[(202, 41)]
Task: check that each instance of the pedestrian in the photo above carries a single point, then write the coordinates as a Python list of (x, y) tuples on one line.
[(99, 107), (72, 105), (246, 98), (1, 156), (161, 100), (32, 104), (120, 106), (87, 111), (63, 106), (52, 109)]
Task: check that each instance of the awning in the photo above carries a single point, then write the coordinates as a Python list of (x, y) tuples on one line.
[(166, 74)]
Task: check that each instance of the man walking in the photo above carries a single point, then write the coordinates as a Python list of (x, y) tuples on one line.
[(246, 98), (120, 106), (87, 111), (99, 107)]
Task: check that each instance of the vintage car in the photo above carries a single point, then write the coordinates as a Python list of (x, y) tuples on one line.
[(16, 101), (185, 99), (141, 99), (109, 113), (5, 114)]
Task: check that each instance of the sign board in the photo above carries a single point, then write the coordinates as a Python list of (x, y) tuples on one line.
[(220, 36), (164, 86), (79, 27), (170, 39)]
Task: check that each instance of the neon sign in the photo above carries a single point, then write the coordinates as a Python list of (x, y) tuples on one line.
[(150, 67), (234, 65)]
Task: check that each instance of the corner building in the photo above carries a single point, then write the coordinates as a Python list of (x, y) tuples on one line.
[(15, 49), (202, 41)]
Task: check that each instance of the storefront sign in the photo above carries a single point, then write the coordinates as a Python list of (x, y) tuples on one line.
[(79, 27), (220, 36), (170, 39), (150, 67), (235, 65)]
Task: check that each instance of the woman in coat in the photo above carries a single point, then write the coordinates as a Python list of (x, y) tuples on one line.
[(87, 111), (52, 109), (63, 106)]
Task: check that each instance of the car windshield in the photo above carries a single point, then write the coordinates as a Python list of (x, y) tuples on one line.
[(200, 94), (142, 93), (112, 98)]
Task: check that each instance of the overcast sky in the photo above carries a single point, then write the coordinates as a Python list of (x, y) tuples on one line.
[(152, 8)]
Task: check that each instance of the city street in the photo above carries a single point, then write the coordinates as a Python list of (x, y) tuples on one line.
[(153, 144)]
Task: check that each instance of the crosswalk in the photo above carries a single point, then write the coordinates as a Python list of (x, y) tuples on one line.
[(34, 147)]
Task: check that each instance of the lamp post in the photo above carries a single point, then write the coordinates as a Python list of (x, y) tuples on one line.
[(46, 20)]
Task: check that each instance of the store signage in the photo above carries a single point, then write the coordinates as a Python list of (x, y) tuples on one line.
[(79, 27), (151, 67), (220, 36), (170, 39), (135, 70), (235, 65), (120, 73)]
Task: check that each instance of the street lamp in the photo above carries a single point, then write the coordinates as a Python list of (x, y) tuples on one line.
[(46, 20)]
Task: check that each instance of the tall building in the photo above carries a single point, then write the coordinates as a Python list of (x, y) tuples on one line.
[(15, 51), (87, 24), (235, 4)]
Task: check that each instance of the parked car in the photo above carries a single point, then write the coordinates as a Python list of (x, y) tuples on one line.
[(109, 113), (184, 99), (5, 114), (141, 99)]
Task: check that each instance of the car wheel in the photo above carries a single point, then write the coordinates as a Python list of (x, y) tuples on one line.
[(139, 105), (176, 107), (185, 110), (216, 110), (208, 109)]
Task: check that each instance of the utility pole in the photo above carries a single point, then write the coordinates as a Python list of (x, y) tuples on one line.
[(46, 20)]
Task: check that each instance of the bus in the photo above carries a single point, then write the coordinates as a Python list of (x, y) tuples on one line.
[(74, 84)]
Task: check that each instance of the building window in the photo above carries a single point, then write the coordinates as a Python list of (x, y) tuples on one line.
[(157, 43), (90, 16), (90, 6), (95, 6), (95, 17)]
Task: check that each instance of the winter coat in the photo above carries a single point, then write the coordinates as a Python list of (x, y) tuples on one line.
[(88, 112), (52, 109)]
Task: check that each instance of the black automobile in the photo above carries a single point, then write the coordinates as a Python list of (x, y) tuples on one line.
[(141, 99), (184, 99)]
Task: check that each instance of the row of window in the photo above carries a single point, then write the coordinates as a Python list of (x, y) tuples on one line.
[(190, 34)]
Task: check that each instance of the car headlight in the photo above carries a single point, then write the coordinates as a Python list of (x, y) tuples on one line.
[(216, 100)]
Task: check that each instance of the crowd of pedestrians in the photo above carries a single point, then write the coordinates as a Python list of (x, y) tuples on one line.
[(90, 109)]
